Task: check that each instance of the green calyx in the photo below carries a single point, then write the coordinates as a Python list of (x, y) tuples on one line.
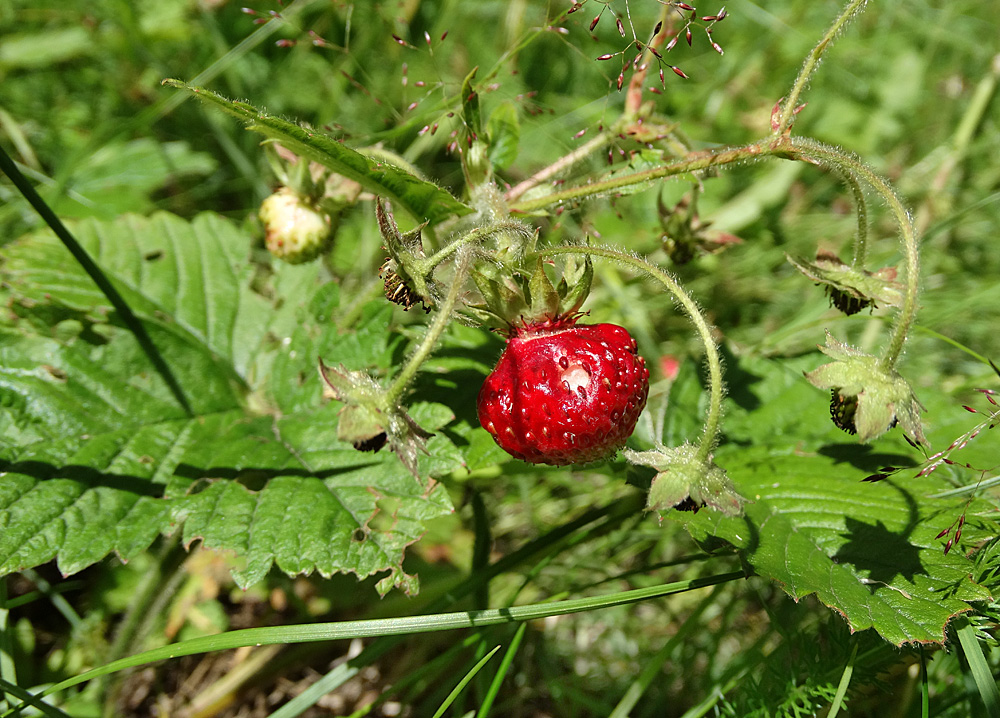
[(686, 482), (851, 289), (515, 297), (685, 235), (866, 399), (369, 419)]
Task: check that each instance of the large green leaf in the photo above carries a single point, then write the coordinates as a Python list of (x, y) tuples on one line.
[(98, 457), (868, 550), (422, 199)]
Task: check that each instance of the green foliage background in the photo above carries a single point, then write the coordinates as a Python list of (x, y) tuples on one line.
[(99, 459)]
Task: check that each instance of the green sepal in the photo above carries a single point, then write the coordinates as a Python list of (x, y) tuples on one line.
[(574, 287), (686, 482), (501, 301), (867, 397), (851, 289), (542, 295)]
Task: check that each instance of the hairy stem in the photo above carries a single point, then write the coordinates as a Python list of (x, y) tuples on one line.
[(425, 266), (694, 162), (861, 209), (784, 121), (713, 416), (851, 166), (434, 331)]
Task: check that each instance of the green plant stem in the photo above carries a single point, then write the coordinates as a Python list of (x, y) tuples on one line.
[(849, 165), (784, 121), (425, 266), (694, 162), (8, 669), (788, 148), (861, 210), (131, 321), (395, 392), (716, 386), (481, 547)]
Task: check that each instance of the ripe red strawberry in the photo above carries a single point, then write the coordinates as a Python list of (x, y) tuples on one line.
[(564, 393)]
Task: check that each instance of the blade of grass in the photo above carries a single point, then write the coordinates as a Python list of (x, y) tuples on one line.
[(54, 594), (980, 669), (391, 626), (481, 547), (29, 699), (412, 678), (845, 681), (925, 692), (463, 683), (8, 671), (103, 283), (508, 658)]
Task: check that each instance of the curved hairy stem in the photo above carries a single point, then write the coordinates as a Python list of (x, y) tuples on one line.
[(694, 162), (434, 331), (861, 210), (425, 266), (784, 120), (713, 416), (851, 166)]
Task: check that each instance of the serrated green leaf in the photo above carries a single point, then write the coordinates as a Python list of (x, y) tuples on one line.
[(99, 459), (424, 200)]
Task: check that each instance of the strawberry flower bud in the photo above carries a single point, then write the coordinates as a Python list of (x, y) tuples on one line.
[(297, 231), (866, 399), (851, 289), (686, 482)]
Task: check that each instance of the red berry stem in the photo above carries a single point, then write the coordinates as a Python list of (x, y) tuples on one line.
[(713, 417)]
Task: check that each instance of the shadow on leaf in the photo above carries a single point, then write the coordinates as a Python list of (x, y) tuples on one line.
[(878, 552), (861, 456)]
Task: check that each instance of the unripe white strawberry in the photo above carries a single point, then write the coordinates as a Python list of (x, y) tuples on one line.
[(297, 230)]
